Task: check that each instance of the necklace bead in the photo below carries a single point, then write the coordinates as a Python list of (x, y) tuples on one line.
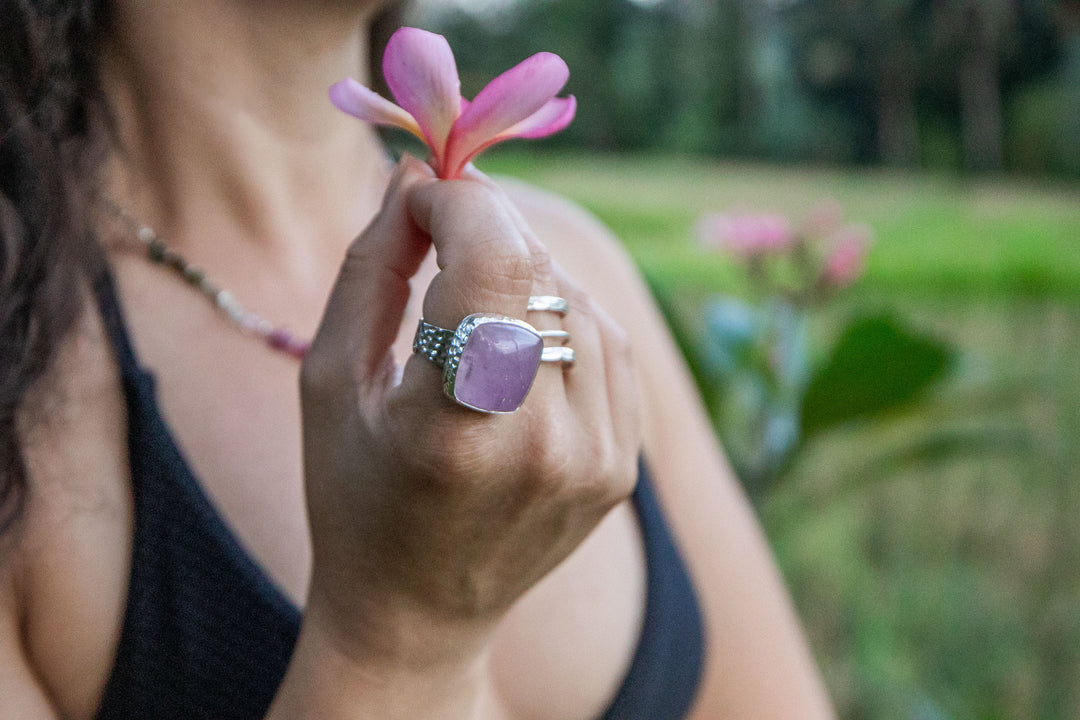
[(158, 252)]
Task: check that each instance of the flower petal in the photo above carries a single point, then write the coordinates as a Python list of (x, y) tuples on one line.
[(351, 97), (847, 258), (550, 119), (420, 71), (555, 115), (507, 100)]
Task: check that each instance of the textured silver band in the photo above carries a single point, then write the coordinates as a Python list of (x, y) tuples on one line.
[(433, 342), (548, 303), (558, 354)]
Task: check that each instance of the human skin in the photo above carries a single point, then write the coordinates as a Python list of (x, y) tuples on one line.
[(229, 149)]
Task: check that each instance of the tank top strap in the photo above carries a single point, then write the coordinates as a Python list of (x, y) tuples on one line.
[(112, 316), (665, 672), (206, 634)]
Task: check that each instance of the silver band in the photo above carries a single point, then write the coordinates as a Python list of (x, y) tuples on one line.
[(433, 342), (558, 354), (561, 335), (548, 303)]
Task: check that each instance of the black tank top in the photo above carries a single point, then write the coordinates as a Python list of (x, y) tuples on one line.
[(207, 635)]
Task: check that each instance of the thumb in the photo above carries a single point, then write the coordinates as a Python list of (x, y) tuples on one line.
[(367, 304)]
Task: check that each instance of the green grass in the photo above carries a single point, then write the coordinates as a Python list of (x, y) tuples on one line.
[(935, 554), (934, 234), (951, 577)]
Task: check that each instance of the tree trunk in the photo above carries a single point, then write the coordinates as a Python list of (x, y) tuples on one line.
[(980, 93), (897, 123)]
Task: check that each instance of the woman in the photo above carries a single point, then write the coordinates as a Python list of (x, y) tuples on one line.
[(450, 564)]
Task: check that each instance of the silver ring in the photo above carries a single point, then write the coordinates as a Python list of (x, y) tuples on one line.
[(548, 303), (490, 361), (559, 354), (561, 335)]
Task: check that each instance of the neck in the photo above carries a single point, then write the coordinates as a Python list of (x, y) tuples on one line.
[(224, 128)]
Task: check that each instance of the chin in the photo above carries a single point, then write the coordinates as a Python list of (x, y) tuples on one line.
[(368, 6)]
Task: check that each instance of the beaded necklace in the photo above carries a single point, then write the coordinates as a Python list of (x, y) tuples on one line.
[(250, 323)]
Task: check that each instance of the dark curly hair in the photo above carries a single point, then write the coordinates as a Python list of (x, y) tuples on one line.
[(55, 130), (52, 120)]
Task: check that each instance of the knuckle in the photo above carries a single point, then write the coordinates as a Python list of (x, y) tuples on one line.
[(627, 472), (365, 247), (593, 476), (358, 254), (549, 453), (542, 265), (602, 489), (437, 451), (504, 270), (467, 194), (579, 301), (608, 457), (617, 339), (318, 373), (514, 268), (614, 479), (617, 462), (468, 204)]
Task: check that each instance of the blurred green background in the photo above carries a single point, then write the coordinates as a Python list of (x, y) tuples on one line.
[(934, 550)]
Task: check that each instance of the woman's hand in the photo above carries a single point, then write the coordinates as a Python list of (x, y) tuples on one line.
[(429, 519)]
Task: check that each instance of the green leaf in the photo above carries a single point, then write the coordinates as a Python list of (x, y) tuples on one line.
[(876, 366)]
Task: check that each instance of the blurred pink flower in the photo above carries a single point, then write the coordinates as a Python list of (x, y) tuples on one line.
[(846, 260), (746, 235), (421, 73)]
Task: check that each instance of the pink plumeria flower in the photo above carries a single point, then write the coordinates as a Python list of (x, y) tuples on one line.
[(421, 73), (747, 235), (847, 258)]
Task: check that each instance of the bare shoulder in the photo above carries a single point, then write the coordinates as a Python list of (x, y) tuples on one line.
[(579, 242), (66, 559), (755, 641)]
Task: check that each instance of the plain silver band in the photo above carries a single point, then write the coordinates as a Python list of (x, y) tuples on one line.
[(548, 303), (562, 335)]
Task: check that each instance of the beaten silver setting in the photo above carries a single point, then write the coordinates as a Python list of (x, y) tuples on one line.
[(443, 348)]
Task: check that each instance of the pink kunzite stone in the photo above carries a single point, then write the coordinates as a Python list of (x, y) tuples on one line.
[(497, 368)]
